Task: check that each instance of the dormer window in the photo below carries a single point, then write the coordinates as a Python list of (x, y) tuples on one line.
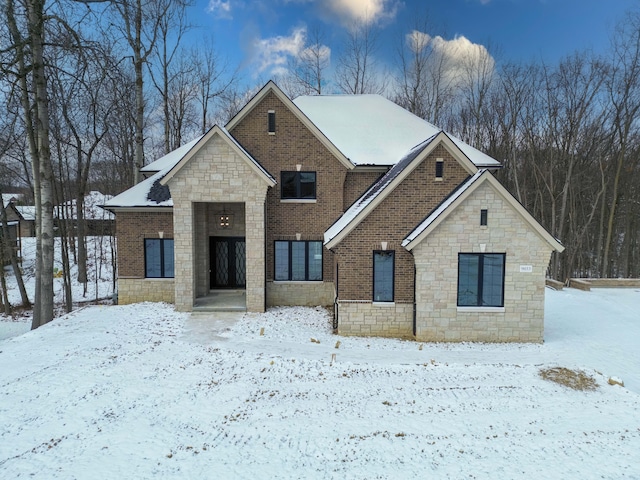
[(439, 168), (272, 122)]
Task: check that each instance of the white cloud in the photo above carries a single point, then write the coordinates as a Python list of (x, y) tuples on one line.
[(220, 8), (369, 11), (461, 58), (272, 54)]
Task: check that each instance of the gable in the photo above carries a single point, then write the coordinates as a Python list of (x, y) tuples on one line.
[(272, 89), (241, 156), (482, 181), (371, 199)]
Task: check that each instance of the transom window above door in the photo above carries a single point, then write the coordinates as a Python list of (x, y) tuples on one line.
[(298, 185)]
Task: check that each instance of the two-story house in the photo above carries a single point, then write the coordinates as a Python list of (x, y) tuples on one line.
[(344, 201)]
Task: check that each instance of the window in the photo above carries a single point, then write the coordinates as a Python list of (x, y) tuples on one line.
[(439, 168), (483, 217), (272, 122), (383, 266), (298, 261), (298, 185), (158, 258), (481, 279)]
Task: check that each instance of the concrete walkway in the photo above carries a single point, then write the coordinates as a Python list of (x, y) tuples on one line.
[(208, 327)]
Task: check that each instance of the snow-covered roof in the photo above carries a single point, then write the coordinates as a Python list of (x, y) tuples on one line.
[(92, 211), (8, 197), (358, 207), (152, 192), (171, 158), (138, 195), (28, 212), (371, 130)]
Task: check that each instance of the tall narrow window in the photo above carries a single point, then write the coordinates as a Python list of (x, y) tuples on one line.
[(383, 275), (298, 261), (481, 279), (483, 217), (158, 258), (298, 185), (272, 122), (439, 168)]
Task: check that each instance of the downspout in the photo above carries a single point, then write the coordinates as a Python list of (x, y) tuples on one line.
[(335, 302), (415, 281), (264, 246)]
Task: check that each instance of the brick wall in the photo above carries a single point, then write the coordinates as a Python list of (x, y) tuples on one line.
[(522, 319), (132, 228), (356, 183), (392, 221), (293, 144)]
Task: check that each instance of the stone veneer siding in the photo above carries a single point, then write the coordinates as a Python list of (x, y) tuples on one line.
[(309, 294), (132, 229), (133, 290), (369, 319), (438, 318), (216, 174)]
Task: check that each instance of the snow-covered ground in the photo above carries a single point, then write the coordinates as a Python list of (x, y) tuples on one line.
[(141, 391), (99, 286)]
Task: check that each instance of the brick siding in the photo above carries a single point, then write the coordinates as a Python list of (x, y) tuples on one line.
[(293, 144), (395, 217)]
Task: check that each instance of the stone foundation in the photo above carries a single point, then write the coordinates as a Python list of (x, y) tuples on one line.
[(134, 290), (304, 294), (377, 320)]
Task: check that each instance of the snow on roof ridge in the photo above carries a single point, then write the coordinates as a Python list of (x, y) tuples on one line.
[(373, 130)]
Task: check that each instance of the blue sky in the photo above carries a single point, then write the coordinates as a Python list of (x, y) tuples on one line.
[(261, 34)]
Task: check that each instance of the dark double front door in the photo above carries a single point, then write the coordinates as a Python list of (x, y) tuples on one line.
[(228, 262)]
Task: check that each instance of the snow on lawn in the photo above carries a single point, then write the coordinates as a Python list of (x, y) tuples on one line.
[(141, 391)]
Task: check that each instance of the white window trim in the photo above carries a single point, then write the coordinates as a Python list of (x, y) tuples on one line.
[(383, 304)]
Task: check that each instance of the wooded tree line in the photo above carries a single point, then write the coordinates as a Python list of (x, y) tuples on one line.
[(92, 88)]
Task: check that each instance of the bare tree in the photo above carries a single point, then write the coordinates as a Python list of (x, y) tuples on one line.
[(172, 26), (623, 88), (357, 71), (307, 69), (26, 66), (214, 78)]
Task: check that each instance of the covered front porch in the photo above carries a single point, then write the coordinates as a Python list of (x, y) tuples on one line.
[(220, 256), (222, 301), (218, 194)]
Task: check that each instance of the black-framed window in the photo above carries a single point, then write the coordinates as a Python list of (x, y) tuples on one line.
[(481, 279), (158, 258), (484, 217), (298, 260), (383, 275), (439, 168), (271, 122), (298, 185)]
